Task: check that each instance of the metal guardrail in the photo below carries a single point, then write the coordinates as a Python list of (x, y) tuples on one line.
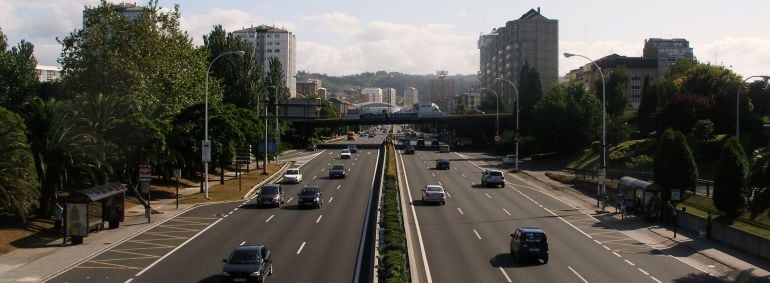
[(702, 186)]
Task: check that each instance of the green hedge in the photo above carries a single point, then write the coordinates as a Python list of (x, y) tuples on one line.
[(393, 267)]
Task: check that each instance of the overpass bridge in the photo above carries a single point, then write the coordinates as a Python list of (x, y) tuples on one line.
[(452, 120)]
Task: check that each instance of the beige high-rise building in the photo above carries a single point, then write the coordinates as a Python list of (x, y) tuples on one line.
[(373, 94), (411, 97), (389, 95), (532, 39), (271, 42), (442, 90)]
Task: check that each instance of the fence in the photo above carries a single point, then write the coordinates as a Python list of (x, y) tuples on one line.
[(702, 186)]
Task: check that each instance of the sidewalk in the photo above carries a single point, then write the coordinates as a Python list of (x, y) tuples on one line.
[(42, 263), (715, 258)]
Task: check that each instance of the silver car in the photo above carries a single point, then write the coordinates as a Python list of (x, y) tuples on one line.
[(434, 194)]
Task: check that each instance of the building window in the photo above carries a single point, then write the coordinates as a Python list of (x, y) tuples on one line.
[(269, 43)]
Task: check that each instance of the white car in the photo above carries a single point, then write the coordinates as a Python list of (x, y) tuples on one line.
[(434, 194), (292, 175), (509, 159), (345, 154)]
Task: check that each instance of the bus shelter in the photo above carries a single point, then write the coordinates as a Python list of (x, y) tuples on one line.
[(87, 210), (641, 197)]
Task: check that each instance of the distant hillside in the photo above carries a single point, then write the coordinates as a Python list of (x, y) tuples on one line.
[(350, 85)]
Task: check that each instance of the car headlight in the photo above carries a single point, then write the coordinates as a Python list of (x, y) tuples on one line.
[(224, 273), (255, 273)]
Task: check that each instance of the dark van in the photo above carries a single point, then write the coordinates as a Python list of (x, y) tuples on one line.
[(529, 243)]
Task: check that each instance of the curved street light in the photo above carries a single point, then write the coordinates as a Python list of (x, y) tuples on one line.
[(738, 105), (497, 110), (206, 145), (516, 134), (603, 173)]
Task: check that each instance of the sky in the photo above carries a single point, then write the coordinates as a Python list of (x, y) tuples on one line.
[(344, 37)]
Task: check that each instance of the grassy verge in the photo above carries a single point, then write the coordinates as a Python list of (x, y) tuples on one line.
[(393, 264), (700, 206)]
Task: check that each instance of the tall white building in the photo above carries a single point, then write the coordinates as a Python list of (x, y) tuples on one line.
[(389, 95), (410, 97), (271, 42), (47, 73), (374, 94)]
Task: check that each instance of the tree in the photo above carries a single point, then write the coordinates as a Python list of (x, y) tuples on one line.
[(18, 183), (616, 92), (682, 111), (647, 107), (530, 92), (18, 81), (568, 112), (674, 166), (730, 178), (759, 180), (759, 93), (241, 77), (149, 60)]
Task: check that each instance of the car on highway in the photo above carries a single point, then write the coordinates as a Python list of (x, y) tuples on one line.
[(337, 171), (345, 154), (434, 194), (371, 135), (529, 243), (420, 141), (353, 148), (310, 196), (292, 175), (509, 159), (492, 177), (247, 263), (270, 195), (434, 143), (409, 149), (442, 164), (311, 147)]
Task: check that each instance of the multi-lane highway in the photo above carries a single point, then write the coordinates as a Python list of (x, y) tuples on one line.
[(308, 245), (467, 240)]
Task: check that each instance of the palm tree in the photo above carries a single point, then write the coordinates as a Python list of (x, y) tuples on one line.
[(18, 186), (66, 155)]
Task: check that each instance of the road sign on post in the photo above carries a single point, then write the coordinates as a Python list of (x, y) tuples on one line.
[(206, 151), (145, 172)]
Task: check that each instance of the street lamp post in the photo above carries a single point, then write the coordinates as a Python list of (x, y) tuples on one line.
[(206, 146), (738, 105), (497, 111), (601, 191), (264, 161), (516, 134)]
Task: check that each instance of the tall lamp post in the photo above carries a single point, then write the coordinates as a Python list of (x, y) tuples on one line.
[(738, 105), (603, 173), (497, 111), (516, 134), (206, 144)]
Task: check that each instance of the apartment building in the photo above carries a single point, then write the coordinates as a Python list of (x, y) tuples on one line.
[(271, 42)]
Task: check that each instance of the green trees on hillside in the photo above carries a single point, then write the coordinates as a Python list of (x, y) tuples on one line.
[(567, 113), (17, 73), (18, 182), (674, 166), (730, 180)]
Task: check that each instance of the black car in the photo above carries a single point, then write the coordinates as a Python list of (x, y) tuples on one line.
[(442, 164), (409, 149), (434, 143), (270, 195), (529, 243), (311, 147), (248, 263), (337, 171), (310, 196), (420, 141)]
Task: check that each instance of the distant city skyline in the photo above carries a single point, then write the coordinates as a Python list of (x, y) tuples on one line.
[(419, 37)]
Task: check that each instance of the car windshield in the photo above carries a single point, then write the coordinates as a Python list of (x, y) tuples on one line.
[(269, 190), (345, 151), (495, 173), (292, 172), (533, 237), (338, 167), (308, 191), (245, 257), (434, 189)]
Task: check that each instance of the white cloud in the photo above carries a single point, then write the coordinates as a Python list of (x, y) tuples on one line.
[(747, 56), (202, 24), (336, 22)]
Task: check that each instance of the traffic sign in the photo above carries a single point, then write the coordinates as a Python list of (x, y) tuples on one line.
[(206, 151), (497, 138), (145, 172)]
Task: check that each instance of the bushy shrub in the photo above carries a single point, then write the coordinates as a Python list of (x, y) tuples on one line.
[(640, 163)]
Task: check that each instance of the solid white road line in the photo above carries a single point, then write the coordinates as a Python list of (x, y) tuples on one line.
[(331, 199), (642, 271), (268, 219), (597, 242), (577, 274), (486, 194), (417, 227), (319, 218), (460, 210), (606, 248), (655, 279), (477, 234), (617, 254), (300, 247), (505, 274), (242, 243), (506, 212), (629, 262), (178, 247)]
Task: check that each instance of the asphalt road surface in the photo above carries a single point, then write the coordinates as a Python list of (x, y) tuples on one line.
[(467, 240)]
